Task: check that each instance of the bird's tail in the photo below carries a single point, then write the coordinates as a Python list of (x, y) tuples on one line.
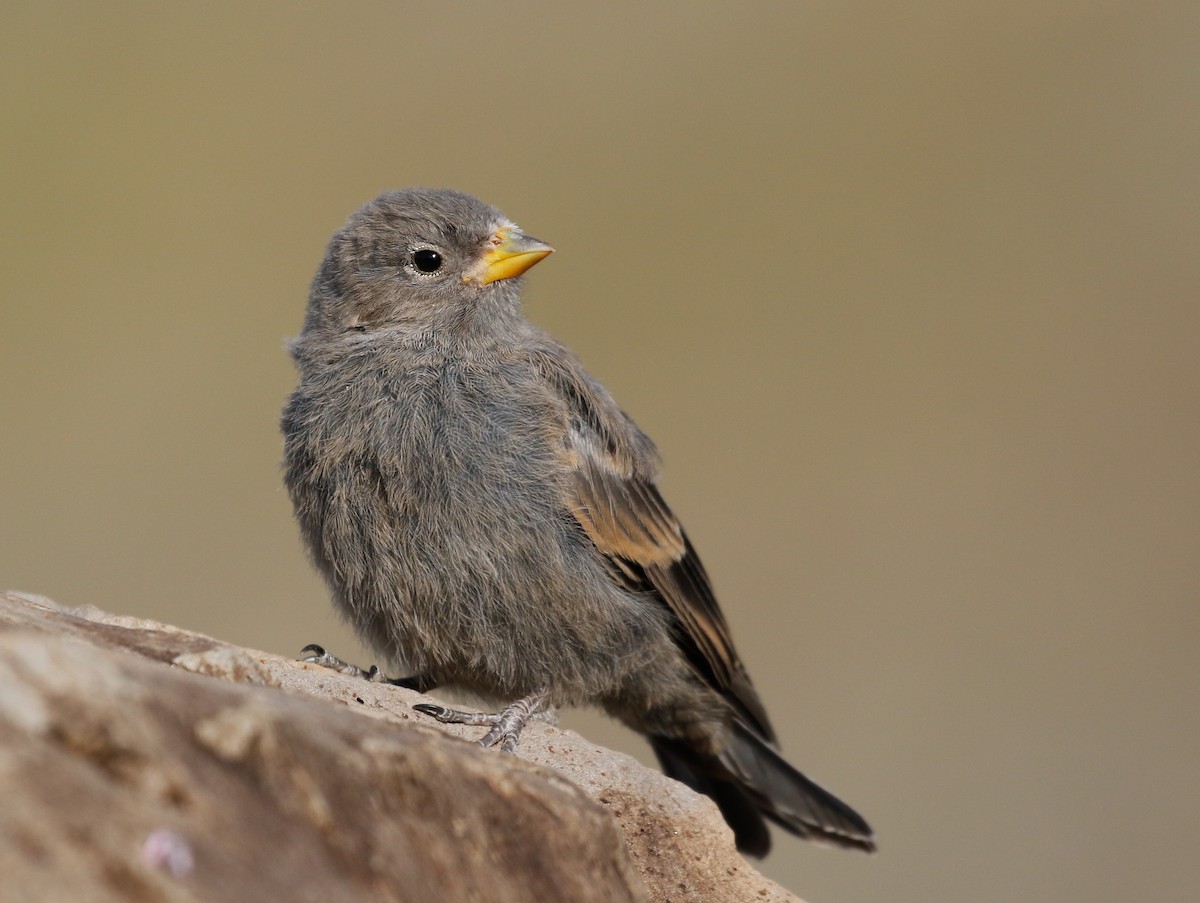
[(751, 782)]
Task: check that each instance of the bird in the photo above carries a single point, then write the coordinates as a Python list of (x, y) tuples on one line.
[(488, 518)]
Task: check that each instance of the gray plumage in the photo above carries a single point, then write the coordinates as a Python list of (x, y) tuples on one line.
[(486, 515)]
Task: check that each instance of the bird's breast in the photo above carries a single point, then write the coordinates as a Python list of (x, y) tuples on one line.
[(446, 442)]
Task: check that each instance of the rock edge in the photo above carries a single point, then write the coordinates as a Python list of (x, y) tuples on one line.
[(127, 780)]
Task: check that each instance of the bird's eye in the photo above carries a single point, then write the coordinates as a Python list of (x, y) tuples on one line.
[(427, 260)]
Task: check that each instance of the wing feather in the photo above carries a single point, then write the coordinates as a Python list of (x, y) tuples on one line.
[(612, 494)]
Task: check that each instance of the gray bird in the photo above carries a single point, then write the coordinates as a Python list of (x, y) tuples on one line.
[(486, 516)]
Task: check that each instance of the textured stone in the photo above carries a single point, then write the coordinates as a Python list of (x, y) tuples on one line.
[(131, 774)]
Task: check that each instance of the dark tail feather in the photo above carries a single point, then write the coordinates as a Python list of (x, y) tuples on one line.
[(751, 782), (740, 811), (789, 798)]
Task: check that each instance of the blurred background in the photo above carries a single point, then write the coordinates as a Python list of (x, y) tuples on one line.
[(909, 296)]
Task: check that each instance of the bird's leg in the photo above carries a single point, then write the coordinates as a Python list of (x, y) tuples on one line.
[(506, 725), (317, 655)]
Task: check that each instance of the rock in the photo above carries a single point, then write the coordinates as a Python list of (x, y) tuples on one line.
[(130, 774)]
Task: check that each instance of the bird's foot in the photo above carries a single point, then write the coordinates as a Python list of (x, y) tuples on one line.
[(506, 725), (317, 655)]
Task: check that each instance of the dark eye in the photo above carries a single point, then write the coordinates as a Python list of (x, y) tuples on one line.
[(427, 261)]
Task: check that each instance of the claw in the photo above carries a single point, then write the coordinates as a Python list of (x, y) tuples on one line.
[(318, 656), (422, 683), (439, 713), (506, 725)]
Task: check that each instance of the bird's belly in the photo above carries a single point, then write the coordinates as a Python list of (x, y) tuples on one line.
[(454, 555)]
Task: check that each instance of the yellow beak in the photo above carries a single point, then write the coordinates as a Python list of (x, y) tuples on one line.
[(511, 253)]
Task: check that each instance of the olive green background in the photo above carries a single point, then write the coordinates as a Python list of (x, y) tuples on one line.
[(908, 294)]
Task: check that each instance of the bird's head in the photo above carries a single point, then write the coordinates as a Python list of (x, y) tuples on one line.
[(430, 260)]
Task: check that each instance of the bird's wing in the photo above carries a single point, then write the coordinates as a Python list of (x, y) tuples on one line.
[(612, 494)]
